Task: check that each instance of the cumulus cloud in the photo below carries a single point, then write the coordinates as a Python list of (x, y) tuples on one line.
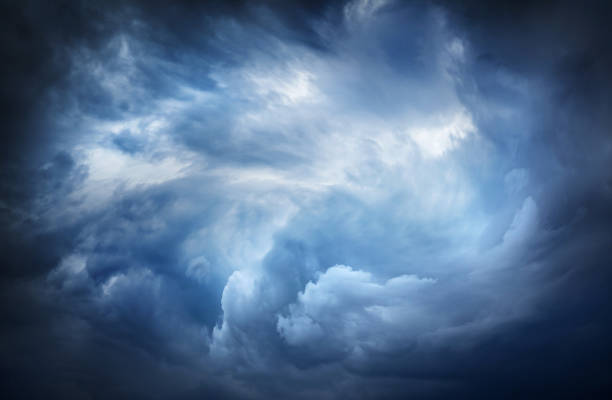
[(336, 199), (348, 308)]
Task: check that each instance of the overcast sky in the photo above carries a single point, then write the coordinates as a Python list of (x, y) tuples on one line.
[(359, 199)]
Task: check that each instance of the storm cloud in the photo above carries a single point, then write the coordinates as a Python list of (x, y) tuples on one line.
[(345, 199)]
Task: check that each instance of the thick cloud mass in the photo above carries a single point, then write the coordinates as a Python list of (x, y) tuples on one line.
[(306, 200)]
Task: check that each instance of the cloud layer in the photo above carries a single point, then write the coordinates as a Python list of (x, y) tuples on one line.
[(344, 199)]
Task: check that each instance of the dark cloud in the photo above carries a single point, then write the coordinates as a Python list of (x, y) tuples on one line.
[(364, 199)]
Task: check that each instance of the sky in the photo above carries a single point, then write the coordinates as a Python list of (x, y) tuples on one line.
[(364, 199)]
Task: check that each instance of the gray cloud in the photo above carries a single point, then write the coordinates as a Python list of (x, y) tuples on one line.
[(364, 199)]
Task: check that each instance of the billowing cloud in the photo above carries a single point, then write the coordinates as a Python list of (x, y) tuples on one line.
[(347, 307), (362, 199)]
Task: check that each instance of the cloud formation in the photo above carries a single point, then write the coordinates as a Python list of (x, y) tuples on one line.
[(343, 199), (347, 307)]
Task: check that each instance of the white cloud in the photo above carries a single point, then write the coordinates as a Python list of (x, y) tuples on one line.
[(291, 87), (353, 308), (443, 134), (111, 169)]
